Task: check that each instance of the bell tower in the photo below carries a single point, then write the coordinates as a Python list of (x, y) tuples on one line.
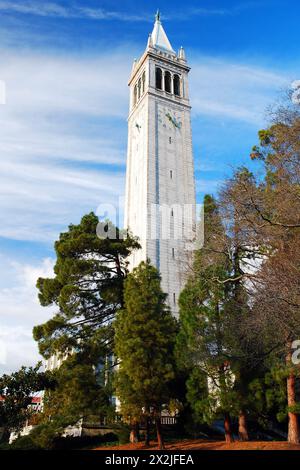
[(160, 188)]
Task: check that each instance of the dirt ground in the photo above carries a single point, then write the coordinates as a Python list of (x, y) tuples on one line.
[(200, 444)]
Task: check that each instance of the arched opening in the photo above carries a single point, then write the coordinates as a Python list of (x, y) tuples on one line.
[(135, 95), (176, 82), (143, 82), (158, 78), (168, 82), (139, 88)]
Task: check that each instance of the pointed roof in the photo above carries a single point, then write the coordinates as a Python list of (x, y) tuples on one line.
[(159, 37)]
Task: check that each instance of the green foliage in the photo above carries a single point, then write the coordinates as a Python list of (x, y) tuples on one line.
[(123, 434), (145, 335), (24, 443), (18, 390), (87, 289), (47, 437), (198, 396), (269, 393), (212, 305), (79, 393)]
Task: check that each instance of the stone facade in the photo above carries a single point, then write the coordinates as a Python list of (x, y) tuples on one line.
[(160, 189)]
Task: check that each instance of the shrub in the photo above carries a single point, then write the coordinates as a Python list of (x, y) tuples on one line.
[(123, 433), (24, 443)]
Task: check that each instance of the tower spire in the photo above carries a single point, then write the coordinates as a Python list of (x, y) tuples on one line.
[(159, 38)]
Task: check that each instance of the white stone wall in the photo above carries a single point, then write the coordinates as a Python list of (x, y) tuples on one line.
[(160, 171)]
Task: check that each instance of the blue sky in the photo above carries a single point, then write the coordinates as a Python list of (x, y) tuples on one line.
[(63, 128)]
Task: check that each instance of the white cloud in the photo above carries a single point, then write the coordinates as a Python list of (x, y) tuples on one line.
[(232, 90), (33, 8), (52, 9), (65, 118), (53, 128), (62, 83), (20, 311)]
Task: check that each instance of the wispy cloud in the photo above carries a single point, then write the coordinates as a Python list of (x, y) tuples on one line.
[(233, 10), (35, 8), (63, 130), (232, 90), (51, 9), (56, 10), (63, 140), (20, 311)]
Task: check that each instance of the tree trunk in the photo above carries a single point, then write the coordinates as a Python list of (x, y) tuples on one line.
[(160, 439), (134, 433), (5, 435), (147, 435), (293, 426), (243, 428), (228, 430)]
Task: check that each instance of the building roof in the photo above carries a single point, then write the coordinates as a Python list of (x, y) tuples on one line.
[(34, 400), (159, 37)]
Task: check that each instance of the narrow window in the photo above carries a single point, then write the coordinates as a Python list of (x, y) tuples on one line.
[(174, 298), (171, 174), (139, 88), (168, 82), (172, 212), (143, 82), (135, 95), (176, 85), (173, 253), (158, 78), (170, 140)]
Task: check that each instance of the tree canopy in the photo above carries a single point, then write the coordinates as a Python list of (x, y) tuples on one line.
[(87, 289), (145, 335)]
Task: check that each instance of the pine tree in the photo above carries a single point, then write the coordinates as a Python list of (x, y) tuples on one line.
[(144, 340), (87, 289), (79, 393)]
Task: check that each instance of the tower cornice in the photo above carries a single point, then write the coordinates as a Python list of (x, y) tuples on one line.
[(158, 56)]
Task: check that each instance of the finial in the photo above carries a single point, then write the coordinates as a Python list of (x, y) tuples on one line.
[(150, 43), (157, 16), (182, 54), (134, 65)]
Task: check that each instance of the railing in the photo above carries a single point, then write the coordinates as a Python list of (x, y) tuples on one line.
[(103, 423), (168, 420)]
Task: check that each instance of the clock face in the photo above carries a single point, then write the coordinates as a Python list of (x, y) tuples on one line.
[(169, 119), (174, 120)]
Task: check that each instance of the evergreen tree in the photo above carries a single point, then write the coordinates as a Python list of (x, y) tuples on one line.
[(87, 289), (17, 391), (268, 209), (144, 340), (212, 305), (80, 393)]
